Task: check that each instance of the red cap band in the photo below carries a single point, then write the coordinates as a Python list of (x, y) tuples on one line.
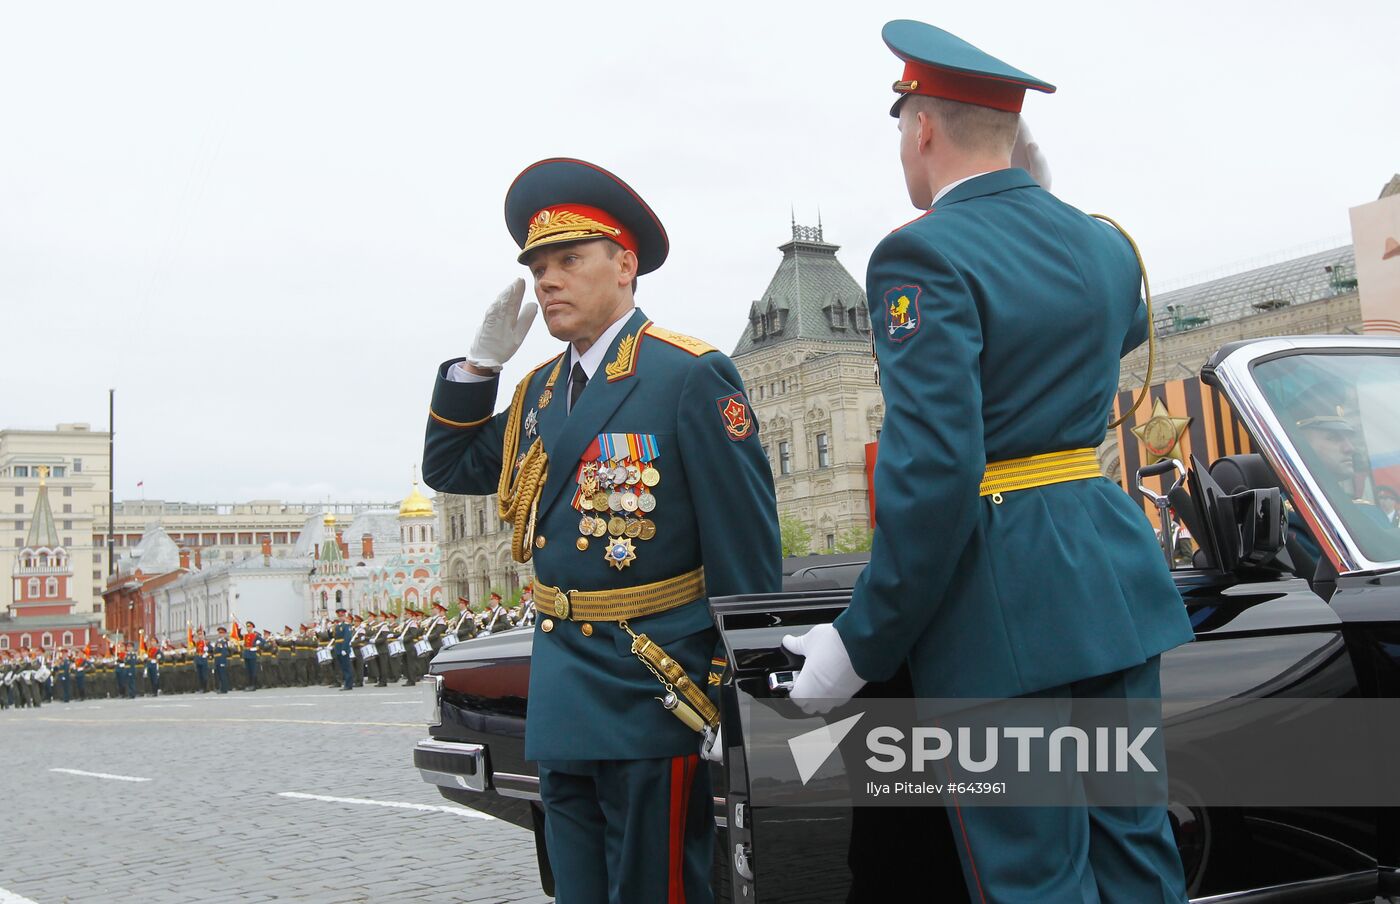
[(575, 223), (968, 89)]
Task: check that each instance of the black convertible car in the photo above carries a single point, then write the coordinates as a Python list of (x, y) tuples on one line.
[(1294, 590)]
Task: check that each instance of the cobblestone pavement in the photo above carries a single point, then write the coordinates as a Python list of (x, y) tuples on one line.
[(233, 808)]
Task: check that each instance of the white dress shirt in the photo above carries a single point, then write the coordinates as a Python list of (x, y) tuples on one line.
[(589, 360), (952, 185)]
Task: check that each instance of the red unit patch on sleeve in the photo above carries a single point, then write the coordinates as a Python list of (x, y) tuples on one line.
[(737, 416)]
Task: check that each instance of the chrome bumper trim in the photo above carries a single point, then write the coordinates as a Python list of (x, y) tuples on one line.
[(468, 762), (527, 787)]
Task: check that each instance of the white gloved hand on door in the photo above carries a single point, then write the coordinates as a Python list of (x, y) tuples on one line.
[(827, 678)]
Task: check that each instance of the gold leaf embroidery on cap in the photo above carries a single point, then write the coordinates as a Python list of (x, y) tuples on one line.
[(560, 225)]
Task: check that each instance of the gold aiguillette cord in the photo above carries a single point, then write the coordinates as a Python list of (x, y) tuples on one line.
[(518, 493)]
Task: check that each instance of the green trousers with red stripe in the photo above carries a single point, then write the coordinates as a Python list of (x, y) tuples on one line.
[(629, 831)]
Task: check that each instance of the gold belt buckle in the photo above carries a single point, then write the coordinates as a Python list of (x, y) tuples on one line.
[(561, 604)]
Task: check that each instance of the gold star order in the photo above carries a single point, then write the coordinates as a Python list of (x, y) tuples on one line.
[(1161, 433)]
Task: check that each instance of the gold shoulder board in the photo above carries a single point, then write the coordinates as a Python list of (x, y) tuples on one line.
[(695, 346), (541, 366)]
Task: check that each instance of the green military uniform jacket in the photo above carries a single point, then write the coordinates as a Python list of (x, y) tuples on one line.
[(342, 632), (999, 319), (590, 698)]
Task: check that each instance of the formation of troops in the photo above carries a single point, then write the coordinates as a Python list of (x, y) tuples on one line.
[(377, 648)]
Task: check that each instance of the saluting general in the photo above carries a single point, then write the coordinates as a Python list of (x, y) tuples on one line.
[(630, 468), (1003, 564)]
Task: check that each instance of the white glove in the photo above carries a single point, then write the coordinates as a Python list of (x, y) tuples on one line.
[(712, 746), (1026, 154), (503, 328), (827, 678)]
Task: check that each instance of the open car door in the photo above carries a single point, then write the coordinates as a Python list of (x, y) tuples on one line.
[(815, 854)]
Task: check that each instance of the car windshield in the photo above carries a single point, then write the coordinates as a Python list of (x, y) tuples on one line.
[(1341, 412)]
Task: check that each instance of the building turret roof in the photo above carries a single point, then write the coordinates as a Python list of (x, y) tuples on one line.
[(43, 534), (811, 296), (330, 549)]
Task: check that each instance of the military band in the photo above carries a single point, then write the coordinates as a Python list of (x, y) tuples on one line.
[(381, 652)]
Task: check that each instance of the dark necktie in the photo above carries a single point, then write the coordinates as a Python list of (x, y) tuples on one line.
[(577, 380)]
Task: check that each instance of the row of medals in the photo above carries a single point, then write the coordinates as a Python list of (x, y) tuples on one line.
[(612, 493)]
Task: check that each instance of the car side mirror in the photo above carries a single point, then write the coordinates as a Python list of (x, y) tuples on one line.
[(1249, 527), (1261, 525)]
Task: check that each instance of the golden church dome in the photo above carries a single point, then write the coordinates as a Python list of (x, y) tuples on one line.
[(329, 520), (416, 505)]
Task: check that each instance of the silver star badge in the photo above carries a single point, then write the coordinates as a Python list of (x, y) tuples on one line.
[(532, 421)]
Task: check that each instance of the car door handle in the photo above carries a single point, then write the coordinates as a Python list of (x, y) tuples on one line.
[(782, 682)]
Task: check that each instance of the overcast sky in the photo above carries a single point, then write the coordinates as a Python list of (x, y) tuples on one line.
[(266, 223)]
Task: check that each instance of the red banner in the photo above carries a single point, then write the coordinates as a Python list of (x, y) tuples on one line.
[(871, 450)]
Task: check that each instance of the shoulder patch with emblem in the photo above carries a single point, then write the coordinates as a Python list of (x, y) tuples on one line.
[(695, 346), (734, 411), (902, 318)]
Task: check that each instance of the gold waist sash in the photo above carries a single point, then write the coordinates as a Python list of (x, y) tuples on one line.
[(620, 605), (1038, 471)]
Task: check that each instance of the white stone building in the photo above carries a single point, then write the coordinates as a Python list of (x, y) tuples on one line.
[(805, 360), (383, 559), (475, 546), (78, 462), (269, 591)]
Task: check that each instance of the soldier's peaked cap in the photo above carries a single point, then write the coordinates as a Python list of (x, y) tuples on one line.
[(1318, 407), (939, 64), (566, 200)]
